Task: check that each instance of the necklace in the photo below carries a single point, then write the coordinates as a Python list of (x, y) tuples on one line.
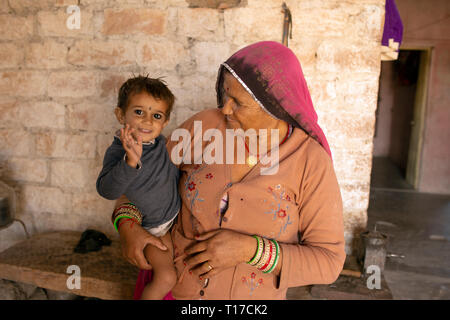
[(253, 160)]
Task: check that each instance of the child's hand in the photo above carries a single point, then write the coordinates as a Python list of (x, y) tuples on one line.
[(132, 143)]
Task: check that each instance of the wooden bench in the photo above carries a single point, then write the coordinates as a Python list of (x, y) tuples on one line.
[(43, 260)]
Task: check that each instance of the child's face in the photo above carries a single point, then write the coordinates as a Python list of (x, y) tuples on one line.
[(145, 114)]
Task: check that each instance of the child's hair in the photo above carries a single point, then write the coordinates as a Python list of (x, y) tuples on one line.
[(157, 88)]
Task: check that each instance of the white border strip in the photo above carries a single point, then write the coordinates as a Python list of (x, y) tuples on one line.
[(247, 88)]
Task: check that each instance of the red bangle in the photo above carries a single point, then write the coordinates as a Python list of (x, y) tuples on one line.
[(270, 257), (122, 222)]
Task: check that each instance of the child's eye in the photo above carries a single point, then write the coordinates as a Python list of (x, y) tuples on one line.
[(138, 112), (157, 116)]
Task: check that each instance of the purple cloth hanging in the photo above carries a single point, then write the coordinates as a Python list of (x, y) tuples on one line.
[(393, 27)]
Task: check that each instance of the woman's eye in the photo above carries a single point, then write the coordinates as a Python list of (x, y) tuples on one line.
[(138, 112), (157, 116)]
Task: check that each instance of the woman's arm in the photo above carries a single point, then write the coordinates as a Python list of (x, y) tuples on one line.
[(134, 239), (320, 255)]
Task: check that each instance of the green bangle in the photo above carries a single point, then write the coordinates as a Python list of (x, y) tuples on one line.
[(276, 257), (253, 260), (120, 216)]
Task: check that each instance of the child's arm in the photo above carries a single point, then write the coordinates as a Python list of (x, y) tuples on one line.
[(116, 174)]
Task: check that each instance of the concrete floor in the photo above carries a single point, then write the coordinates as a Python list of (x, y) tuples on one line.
[(418, 226)]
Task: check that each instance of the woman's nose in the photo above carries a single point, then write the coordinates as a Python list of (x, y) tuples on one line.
[(227, 108)]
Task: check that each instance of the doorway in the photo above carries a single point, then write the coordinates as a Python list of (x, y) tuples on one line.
[(399, 120)]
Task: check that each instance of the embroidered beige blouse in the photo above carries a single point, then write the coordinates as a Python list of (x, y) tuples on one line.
[(300, 207)]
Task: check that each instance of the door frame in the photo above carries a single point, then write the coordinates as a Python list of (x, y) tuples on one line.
[(413, 168)]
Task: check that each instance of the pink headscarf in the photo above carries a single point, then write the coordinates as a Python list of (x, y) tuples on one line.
[(272, 74)]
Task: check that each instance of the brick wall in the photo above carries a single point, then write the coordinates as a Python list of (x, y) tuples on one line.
[(58, 88)]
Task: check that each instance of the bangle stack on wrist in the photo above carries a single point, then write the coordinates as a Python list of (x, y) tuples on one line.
[(266, 255), (126, 210)]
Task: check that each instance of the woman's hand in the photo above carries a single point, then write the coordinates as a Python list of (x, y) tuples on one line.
[(134, 239), (219, 249)]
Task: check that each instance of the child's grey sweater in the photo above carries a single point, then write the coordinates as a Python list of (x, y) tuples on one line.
[(153, 188)]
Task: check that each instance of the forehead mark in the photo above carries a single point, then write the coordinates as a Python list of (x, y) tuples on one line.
[(142, 107)]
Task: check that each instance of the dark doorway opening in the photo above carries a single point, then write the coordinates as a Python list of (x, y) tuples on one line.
[(395, 140)]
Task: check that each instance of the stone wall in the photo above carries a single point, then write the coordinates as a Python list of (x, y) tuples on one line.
[(58, 88)]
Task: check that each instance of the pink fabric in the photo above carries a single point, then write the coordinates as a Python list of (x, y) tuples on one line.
[(144, 277), (272, 73)]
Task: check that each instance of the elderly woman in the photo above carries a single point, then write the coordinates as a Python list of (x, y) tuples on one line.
[(242, 234)]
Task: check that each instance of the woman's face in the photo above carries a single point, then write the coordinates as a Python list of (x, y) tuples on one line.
[(241, 110)]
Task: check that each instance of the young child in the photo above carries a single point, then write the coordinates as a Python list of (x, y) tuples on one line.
[(138, 165)]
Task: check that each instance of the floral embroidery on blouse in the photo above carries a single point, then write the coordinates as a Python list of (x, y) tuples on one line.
[(281, 213), (252, 283), (192, 194), (209, 176), (191, 186), (279, 210)]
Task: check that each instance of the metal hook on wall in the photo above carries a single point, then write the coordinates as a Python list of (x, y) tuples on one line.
[(287, 24)]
